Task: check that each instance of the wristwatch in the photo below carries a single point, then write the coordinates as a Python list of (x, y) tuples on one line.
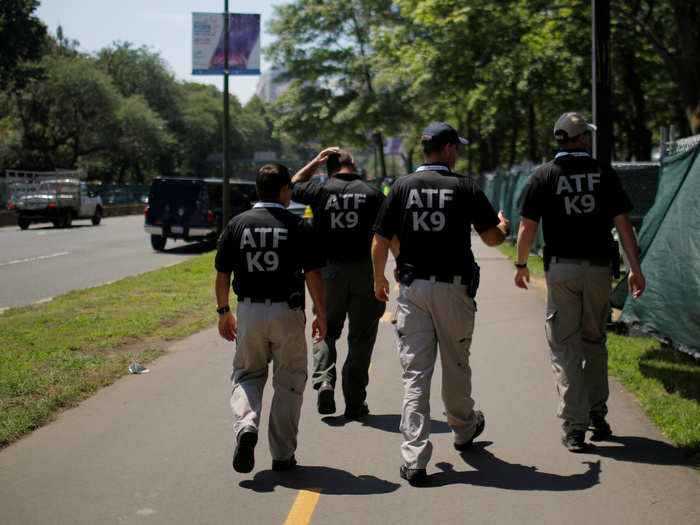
[(520, 266), (222, 309)]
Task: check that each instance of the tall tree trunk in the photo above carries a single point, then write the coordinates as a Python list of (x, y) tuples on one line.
[(531, 132), (513, 139), (379, 143), (640, 135), (470, 138), (408, 159)]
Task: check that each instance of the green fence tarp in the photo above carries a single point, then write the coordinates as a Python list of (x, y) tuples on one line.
[(670, 244)]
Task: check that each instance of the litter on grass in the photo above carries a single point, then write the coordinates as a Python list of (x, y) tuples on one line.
[(137, 368)]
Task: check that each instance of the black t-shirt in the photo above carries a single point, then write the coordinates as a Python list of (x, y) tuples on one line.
[(344, 209), (267, 249), (431, 212), (576, 198)]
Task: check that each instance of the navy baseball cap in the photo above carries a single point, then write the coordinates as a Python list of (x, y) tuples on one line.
[(440, 133)]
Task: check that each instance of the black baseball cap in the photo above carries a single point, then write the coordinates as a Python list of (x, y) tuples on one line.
[(440, 133)]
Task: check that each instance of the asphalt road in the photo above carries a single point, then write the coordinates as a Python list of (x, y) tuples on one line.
[(43, 261), (156, 448)]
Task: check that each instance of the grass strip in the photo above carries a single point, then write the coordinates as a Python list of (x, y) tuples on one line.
[(55, 354), (666, 382), (534, 263)]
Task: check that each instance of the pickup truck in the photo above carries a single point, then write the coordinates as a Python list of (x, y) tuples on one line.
[(53, 196)]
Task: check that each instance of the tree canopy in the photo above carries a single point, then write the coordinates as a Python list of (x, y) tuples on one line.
[(501, 71), (358, 71)]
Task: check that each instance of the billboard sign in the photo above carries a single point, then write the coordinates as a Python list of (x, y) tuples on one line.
[(208, 44)]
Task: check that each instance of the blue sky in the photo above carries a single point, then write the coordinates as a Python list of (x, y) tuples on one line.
[(164, 26)]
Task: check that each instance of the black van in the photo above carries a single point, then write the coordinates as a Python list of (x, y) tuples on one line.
[(190, 209)]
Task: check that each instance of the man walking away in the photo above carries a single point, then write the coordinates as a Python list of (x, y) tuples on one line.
[(578, 201), (431, 212), (344, 209), (270, 252)]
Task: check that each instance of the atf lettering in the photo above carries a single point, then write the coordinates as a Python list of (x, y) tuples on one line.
[(263, 237), (428, 198), (345, 201), (577, 183)]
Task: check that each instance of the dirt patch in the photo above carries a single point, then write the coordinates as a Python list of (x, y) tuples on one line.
[(136, 345)]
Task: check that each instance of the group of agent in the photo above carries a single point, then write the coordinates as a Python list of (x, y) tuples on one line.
[(425, 221)]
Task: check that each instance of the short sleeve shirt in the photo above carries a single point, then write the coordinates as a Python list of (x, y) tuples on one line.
[(576, 198), (344, 209), (267, 249), (432, 211)]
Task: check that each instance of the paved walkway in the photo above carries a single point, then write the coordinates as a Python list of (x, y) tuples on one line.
[(157, 448)]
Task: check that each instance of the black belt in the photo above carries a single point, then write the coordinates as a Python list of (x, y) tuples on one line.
[(266, 300), (601, 261), (442, 278)]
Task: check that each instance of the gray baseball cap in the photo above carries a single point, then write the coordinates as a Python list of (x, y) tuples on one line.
[(570, 125)]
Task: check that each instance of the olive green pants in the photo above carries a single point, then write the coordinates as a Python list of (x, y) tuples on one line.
[(577, 312), (349, 293)]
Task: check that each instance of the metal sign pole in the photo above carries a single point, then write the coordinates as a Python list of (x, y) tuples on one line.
[(226, 190), (602, 116)]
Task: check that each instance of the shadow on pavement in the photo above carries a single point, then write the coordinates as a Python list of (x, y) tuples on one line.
[(324, 479), (639, 450), (189, 248), (494, 472), (385, 422)]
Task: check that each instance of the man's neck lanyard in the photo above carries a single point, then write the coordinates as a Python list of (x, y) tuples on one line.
[(268, 205), (574, 153), (433, 167)]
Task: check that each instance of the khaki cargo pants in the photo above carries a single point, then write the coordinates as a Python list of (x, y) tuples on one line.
[(269, 332), (577, 312), (431, 316)]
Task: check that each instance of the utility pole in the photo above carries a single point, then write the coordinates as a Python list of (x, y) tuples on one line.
[(226, 190), (602, 115)]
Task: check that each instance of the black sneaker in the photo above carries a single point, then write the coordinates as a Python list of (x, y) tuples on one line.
[(280, 465), (480, 425), (243, 456), (574, 441), (415, 476), (356, 412), (326, 402), (600, 428)]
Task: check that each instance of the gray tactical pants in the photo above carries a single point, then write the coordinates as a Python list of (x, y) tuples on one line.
[(269, 332), (577, 312), (432, 316)]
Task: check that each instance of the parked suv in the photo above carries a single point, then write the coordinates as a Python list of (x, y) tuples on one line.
[(190, 209)]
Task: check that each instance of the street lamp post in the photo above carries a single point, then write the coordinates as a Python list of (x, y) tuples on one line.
[(226, 190), (602, 116)]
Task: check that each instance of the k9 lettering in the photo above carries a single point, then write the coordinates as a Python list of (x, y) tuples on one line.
[(578, 184), (262, 261), (344, 219), (428, 221)]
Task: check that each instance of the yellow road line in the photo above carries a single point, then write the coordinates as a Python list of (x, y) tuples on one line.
[(303, 507), (385, 318)]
